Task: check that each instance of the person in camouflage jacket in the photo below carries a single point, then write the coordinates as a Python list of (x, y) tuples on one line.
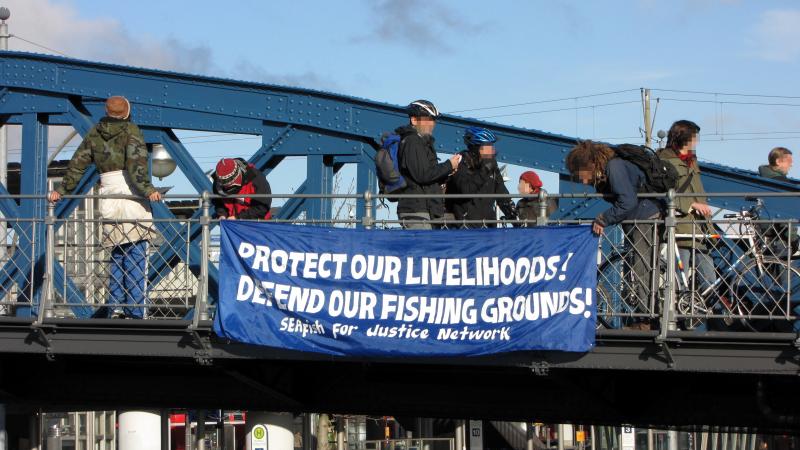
[(117, 149)]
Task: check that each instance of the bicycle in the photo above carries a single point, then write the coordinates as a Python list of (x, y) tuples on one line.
[(753, 284)]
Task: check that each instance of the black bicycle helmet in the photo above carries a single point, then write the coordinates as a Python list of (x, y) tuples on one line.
[(422, 108)]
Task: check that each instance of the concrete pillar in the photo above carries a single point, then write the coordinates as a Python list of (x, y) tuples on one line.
[(323, 424), (428, 433), (309, 431), (200, 430), (529, 433), (34, 431), (673, 439), (188, 443), (459, 435), (278, 427), (340, 433), (3, 434), (165, 435), (561, 436), (139, 430)]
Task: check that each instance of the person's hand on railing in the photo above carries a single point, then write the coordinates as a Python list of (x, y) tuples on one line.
[(54, 196), (155, 196), (701, 208), (597, 228)]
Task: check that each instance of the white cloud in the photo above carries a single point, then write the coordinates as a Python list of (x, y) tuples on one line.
[(59, 26), (776, 35)]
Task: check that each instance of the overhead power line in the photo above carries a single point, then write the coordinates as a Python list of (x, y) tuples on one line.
[(536, 102), (37, 45), (730, 94), (726, 102), (572, 108)]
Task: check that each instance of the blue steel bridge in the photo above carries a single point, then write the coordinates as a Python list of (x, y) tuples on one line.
[(54, 355)]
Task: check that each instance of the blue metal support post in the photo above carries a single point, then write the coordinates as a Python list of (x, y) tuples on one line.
[(33, 181), (320, 181)]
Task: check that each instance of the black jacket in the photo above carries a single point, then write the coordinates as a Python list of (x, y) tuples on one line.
[(474, 178), (253, 182), (423, 172)]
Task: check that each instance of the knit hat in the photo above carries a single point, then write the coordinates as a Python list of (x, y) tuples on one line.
[(229, 173), (531, 178), (118, 107)]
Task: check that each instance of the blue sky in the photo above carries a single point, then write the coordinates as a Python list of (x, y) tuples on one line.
[(469, 54)]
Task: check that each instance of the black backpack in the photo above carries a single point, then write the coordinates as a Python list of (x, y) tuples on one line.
[(660, 176)]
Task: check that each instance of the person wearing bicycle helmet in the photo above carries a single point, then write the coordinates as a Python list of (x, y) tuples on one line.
[(478, 173), (421, 168)]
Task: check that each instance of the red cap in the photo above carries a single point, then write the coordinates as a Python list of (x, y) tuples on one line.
[(229, 173), (531, 178)]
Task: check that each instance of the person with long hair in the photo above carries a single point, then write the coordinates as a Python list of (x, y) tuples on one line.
[(596, 164)]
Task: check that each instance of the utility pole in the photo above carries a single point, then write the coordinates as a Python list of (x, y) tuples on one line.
[(4, 15), (648, 128)]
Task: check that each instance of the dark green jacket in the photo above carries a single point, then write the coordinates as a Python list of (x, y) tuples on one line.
[(112, 144), (688, 182), (767, 171)]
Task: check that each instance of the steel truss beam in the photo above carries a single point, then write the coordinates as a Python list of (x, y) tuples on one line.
[(329, 129)]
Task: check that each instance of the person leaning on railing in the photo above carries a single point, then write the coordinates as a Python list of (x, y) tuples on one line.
[(117, 149), (694, 211), (237, 178), (596, 164)]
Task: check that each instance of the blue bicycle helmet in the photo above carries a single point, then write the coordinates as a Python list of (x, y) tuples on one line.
[(477, 136)]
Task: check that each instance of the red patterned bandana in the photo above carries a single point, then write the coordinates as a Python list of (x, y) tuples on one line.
[(689, 158)]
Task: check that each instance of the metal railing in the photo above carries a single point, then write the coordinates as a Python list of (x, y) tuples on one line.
[(736, 271)]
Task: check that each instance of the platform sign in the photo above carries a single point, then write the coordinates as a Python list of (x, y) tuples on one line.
[(627, 438), (258, 438), (475, 435)]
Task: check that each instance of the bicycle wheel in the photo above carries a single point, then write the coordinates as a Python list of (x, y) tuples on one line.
[(693, 305), (613, 283), (771, 288)]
